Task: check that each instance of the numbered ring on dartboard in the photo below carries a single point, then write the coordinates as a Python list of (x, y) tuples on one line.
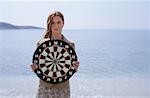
[(55, 61)]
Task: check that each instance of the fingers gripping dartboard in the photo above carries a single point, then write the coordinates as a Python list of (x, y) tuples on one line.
[(55, 60)]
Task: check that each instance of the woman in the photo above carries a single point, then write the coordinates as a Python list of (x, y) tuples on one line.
[(55, 23)]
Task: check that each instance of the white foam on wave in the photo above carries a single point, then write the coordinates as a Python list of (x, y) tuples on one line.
[(26, 87)]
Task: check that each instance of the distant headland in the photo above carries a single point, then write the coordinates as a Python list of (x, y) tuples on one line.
[(7, 26)]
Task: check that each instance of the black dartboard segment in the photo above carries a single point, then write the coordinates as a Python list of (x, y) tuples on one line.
[(54, 59)]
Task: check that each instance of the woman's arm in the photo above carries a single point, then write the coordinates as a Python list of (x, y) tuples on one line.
[(34, 66), (76, 63)]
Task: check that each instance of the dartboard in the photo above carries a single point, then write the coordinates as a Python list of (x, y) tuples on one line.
[(55, 60)]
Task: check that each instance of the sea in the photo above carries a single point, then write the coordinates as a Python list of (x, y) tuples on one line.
[(113, 63)]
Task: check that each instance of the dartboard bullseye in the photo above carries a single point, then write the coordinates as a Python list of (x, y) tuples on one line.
[(55, 61)]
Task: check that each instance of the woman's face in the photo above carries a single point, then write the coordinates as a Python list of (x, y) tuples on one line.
[(57, 24)]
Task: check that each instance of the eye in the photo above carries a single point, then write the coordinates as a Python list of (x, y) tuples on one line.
[(58, 22), (53, 23)]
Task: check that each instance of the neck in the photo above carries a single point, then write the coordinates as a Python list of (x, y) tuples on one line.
[(56, 35)]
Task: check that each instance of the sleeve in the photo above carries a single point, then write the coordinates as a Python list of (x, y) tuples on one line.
[(42, 41), (73, 45), (38, 44), (70, 42)]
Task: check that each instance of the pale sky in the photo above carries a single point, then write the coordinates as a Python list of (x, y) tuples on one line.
[(110, 14)]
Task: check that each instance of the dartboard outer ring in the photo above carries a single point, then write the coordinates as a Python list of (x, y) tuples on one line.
[(55, 61)]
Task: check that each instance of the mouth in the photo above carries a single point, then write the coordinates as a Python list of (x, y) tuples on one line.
[(56, 29)]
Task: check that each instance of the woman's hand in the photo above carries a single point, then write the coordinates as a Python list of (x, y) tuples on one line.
[(76, 64), (34, 67)]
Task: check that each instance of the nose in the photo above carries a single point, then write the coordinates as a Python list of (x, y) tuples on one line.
[(55, 26)]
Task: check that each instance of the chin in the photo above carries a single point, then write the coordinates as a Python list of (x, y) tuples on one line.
[(57, 31)]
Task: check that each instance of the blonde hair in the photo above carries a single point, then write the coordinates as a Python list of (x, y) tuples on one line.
[(49, 23)]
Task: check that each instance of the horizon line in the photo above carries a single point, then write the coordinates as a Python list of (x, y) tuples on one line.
[(81, 28)]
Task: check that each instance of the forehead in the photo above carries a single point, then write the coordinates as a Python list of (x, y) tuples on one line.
[(57, 18)]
